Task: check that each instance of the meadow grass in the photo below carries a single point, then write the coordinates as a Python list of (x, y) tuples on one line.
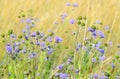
[(49, 11)]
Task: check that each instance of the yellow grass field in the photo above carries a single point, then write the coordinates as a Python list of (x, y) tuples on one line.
[(48, 11)]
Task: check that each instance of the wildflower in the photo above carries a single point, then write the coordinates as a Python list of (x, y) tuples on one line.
[(63, 75), (90, 29), (113, 65), (49, 39), (67, 4), (95, 76), (106, 27), (9, 48), (77, 71), (69, 61), (78, 46), (28, 20), (102, 58), (13, 36), (50, 51), (93, 60), (102, 51), (72, 21), (33, 34), (58, 39), (75, 5), (101, 34), (60, 67)]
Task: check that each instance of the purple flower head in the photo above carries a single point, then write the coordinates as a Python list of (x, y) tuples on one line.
[(101, 34), (102, 51), (78, 46), (72, 21), (50, 51), (67, 4), (106, 27), (63, 75), (75, 5), (102, 58), (113, 65), (37, 43), (98, 45), (28, 20), (27, 27), (58, 39), (33, 34), (110, 43), (60, 67), (13, 36), (65, 14), (90, 29), (43, 44), (9, 48), (69, 61), (94, 33), (77, 71), (95, 76), (49, 39), (93, 60)]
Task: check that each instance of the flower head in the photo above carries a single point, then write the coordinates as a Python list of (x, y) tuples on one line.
[(58, 39), (63, 75), (9, 48), (72, 21)]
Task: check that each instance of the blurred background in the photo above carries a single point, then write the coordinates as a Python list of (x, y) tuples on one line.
[(49, 11)]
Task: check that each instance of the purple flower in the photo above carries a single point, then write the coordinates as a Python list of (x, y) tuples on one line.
[(42, 44), (102, 58), (113, 65), (9, 48), (90, 29), (93, 60), (72, 21), (101, 34), (95, 76), (78, 46), (110, 43), (63, 75), (58, 39), (67, 4), (77, 71), (33, 34), (50, 51), (102, 51), (28, 20), (13, 36), (49, 39), (98, 45), (60, 67), (106, 27), (69, 61), (75, 5)]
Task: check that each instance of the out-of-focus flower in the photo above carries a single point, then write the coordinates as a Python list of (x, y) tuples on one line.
[(102, 58), (58, 39), (106, 27), (9, 48), (101, 34), (95, 76), (63, 75), (93, 60), (72, 21), (60, 67), (75, 5), (67, 4)]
